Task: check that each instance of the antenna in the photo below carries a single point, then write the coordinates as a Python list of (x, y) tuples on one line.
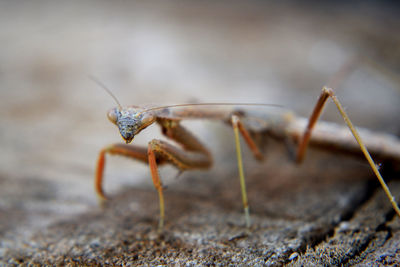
[(214, 104), (94, 79)]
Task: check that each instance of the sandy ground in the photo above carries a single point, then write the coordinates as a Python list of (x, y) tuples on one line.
[(53, 123)]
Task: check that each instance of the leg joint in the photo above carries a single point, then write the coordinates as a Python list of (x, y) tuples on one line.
[(328, 91)]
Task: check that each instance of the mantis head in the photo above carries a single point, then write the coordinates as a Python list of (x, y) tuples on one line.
[(130, 121)]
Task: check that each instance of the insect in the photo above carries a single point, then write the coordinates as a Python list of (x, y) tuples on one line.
[(194, 155)]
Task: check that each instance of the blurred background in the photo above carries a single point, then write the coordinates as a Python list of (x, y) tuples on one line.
[(53, 118)]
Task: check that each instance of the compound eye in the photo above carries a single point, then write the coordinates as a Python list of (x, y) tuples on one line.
[(112, 115)]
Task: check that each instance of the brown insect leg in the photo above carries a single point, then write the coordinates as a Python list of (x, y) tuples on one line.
[(326, 93), (239, 128), (99, 176), (235, 123), (130, 151), (250, 142), (156, 180), (302, 147), (194, 156)]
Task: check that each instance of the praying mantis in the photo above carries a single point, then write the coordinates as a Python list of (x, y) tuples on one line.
[(194, 155)]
